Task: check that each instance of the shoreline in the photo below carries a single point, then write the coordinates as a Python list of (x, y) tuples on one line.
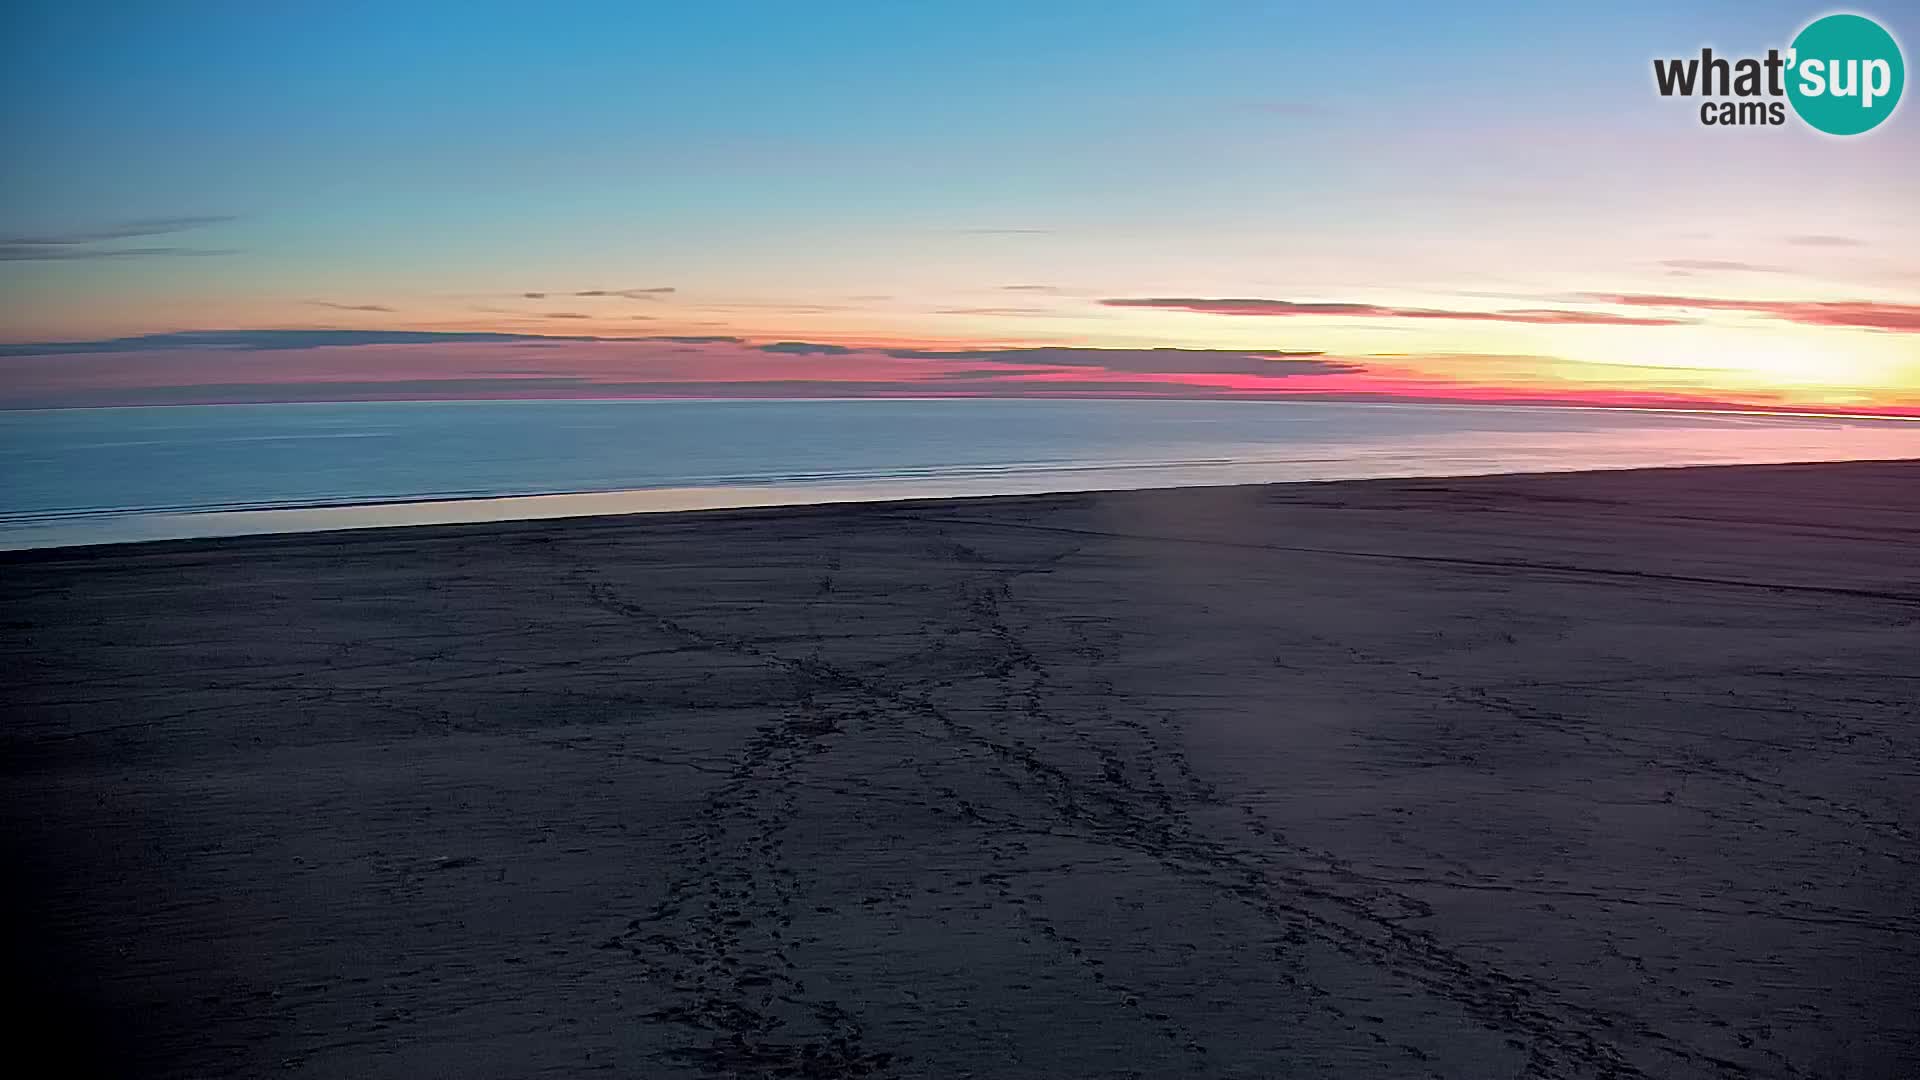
[(433, 512), (1705, 408), (1598, 773)]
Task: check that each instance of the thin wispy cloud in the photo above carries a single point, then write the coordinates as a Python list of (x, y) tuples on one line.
[(1729, 265), (1824, 240), (33, 253), (80, 243), (265, 341), (1268, 363), (1255, 307), (126, 230), (350, 307), (625, 294), (1858, 314)]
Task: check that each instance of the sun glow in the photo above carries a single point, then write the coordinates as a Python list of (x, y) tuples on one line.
[(1789, 360)]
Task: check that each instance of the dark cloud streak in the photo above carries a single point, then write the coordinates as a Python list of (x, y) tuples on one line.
[(1857, 314), (1721, 264), (1270, 363), (31, 253), (123, 231), (624, 294), (269, 341), (350, 307), (1287, 308), (48, 247)]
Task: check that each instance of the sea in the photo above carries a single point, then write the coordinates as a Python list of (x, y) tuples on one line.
[(91, 476)]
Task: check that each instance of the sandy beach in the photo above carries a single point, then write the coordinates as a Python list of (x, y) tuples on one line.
[(1595, 775)]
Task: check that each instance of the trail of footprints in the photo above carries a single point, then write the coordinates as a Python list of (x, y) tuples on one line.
[(720, 940)]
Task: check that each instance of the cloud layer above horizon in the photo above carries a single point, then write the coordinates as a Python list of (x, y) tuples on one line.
[(276, 365)]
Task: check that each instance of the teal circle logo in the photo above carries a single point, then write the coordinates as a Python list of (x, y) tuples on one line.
[(1846, 74)]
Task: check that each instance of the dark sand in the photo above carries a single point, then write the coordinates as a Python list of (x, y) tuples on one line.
[(1603, 775)]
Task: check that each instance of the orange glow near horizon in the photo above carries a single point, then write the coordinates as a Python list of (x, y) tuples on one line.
[(1740, 370)]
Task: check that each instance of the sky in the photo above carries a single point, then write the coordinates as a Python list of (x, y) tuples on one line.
[(1480, 202)]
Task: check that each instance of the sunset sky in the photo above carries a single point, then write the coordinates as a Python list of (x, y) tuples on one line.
[(249, 202)]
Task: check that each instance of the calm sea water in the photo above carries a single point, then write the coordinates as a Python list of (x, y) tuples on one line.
[(101, 475)]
